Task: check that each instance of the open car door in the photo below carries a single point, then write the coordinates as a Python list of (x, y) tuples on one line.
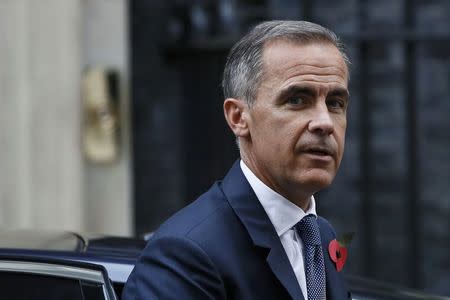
[(24, 277)]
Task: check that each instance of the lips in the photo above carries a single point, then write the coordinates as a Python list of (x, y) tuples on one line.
[(319, 151)]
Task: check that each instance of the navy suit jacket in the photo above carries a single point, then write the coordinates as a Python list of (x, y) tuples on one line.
[(223, 246)]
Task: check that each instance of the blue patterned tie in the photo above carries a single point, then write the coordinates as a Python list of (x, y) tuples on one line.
[(308, 229)]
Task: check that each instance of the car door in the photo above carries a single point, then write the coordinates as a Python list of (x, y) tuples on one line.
[(23, 278)]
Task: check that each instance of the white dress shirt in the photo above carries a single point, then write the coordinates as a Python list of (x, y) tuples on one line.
[(284, 215)]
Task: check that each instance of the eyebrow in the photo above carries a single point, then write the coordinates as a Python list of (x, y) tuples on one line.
[(296, 90), (340, 92), (306, 90)]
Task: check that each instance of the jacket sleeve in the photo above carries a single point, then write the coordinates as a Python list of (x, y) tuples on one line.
[(174, 268)]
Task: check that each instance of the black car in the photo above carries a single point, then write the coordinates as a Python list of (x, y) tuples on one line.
[(65, 265)]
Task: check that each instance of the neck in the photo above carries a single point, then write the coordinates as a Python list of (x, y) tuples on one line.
[(300, 199)]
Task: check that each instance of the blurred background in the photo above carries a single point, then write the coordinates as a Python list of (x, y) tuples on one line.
[(111, 119)]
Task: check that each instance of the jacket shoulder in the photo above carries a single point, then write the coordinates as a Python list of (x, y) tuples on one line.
[(205, 211)]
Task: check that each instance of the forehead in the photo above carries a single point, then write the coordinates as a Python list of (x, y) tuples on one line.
[(284, 59)]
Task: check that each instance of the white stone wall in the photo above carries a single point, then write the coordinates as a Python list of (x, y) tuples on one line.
[(108, 187), (44, 180)]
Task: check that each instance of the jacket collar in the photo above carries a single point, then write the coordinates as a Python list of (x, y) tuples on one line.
[(252, 215)]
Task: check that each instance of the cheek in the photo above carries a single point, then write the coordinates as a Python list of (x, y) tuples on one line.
[(340, 139), (340, 127)]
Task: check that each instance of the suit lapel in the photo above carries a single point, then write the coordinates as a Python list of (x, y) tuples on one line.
[(336, 286), (252, 215), (281, 267)]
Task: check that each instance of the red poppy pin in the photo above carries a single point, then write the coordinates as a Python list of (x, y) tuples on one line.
[(338, 250)]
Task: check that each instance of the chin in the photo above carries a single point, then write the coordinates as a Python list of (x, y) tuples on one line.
[(317, 179)]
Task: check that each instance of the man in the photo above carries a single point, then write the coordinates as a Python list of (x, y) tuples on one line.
[(256, 235)]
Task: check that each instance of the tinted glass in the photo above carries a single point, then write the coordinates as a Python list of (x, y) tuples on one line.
[(18, 286), (92, 291), (118, 289)]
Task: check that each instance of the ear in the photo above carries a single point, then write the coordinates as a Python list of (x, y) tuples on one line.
[(236, 116)]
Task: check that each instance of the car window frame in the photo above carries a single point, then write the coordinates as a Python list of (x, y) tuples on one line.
[(45, 266)]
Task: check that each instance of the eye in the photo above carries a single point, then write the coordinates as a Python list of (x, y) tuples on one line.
[(336, 103), (296, 100)]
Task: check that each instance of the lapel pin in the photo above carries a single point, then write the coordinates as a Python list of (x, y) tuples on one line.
[(338, 250)]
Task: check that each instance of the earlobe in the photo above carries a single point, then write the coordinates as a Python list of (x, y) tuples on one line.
[(236, 116)]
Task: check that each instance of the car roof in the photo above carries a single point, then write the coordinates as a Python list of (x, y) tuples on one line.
[(70, 241), (117, 254)]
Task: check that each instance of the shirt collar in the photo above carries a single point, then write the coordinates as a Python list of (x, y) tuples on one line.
[(282, 213)]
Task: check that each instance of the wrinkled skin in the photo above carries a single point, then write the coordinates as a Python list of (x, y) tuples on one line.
[(293, 135)]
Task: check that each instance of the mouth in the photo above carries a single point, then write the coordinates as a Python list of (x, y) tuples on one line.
[(319, 151), (319, 154)]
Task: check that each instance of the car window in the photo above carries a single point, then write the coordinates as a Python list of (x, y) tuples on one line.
[(19, 286), (118, 289), (92, 291), (24, 286), (42, 278)]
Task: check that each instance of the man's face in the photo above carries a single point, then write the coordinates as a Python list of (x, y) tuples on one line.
[(296, 125)]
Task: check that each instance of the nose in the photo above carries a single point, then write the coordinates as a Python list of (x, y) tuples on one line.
[(321, 122)]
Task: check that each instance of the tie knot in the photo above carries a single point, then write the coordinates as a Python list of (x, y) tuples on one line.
[(308, 229)]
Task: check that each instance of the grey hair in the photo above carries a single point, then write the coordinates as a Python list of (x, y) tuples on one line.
[(244, 66)]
